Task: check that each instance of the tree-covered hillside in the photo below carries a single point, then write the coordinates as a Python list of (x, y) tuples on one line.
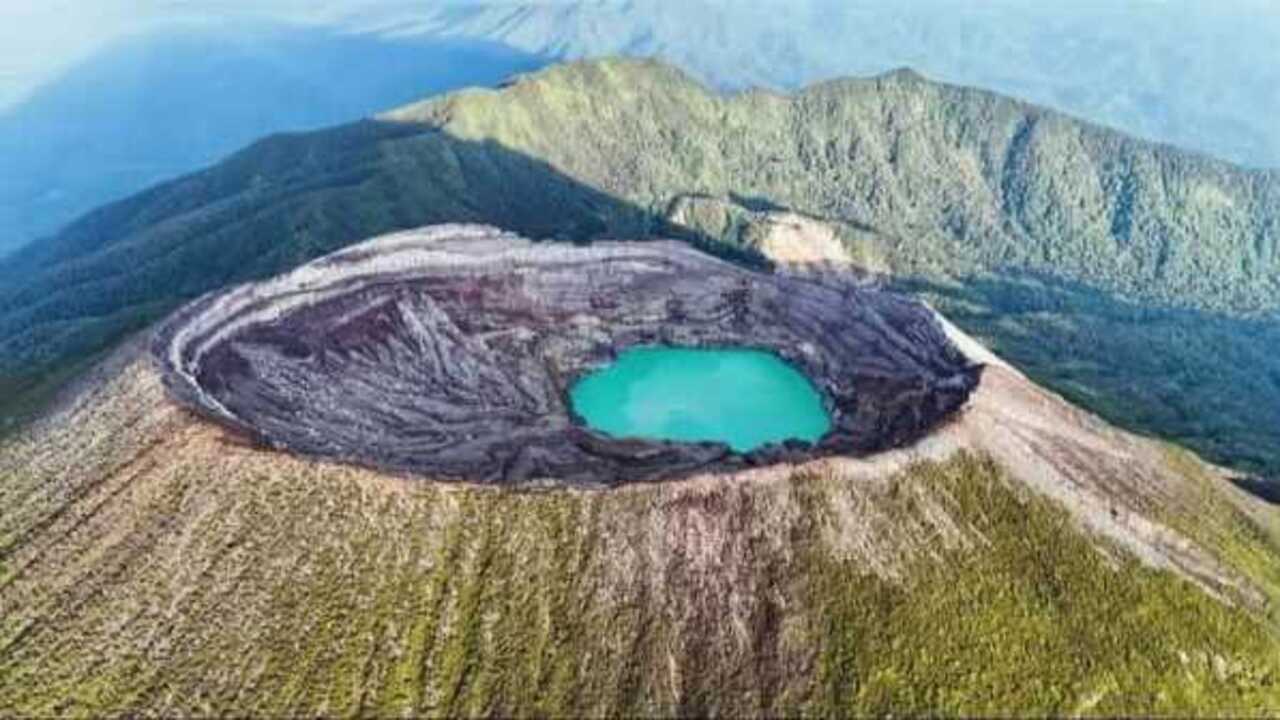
[(943, 185)]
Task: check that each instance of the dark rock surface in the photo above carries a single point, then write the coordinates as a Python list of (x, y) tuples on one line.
[(448, 352)]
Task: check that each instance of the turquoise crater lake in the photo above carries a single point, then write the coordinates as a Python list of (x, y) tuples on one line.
[(743, 398)]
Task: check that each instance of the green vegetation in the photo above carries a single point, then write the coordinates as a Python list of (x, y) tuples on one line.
[(1037, 619), (950, 179), (932, 182), (337, 597), (1246, 541), (1206, 380)]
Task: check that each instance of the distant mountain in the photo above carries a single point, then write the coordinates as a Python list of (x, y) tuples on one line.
[(151, 108), (1198, 75), (1139, 280)]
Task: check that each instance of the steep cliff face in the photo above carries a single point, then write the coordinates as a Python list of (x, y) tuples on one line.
[(449, 351)]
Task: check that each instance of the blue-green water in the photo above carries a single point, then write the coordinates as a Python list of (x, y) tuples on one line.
[(744, 398)]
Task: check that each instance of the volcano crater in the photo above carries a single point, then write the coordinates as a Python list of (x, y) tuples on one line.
[(448, 352)]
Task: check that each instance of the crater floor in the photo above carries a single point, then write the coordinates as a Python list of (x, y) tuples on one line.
[(448, 352)]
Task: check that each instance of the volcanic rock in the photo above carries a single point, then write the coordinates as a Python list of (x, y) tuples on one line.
[(448, 352)]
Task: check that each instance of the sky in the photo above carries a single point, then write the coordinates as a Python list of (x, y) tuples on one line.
[(43, 38)]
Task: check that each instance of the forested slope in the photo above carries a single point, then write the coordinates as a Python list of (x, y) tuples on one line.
[(948, 178)]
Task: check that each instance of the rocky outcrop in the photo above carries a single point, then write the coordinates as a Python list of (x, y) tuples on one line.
[(448, 352)]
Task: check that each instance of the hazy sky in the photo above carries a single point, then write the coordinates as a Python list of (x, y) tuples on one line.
[(42, 38)]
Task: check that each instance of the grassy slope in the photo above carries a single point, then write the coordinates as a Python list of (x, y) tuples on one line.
[(489, 604), (940, 183), (1036, 621), (147, 562)]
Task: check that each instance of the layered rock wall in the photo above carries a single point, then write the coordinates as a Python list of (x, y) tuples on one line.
[(449, 351)]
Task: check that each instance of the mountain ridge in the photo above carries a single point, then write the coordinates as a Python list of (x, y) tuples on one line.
[(1122, 65), (615, 80)]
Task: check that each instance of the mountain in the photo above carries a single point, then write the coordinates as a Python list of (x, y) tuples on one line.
[(154, 107), (1019, 556), (1159, 70), (1136, 279), (182, 96)]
